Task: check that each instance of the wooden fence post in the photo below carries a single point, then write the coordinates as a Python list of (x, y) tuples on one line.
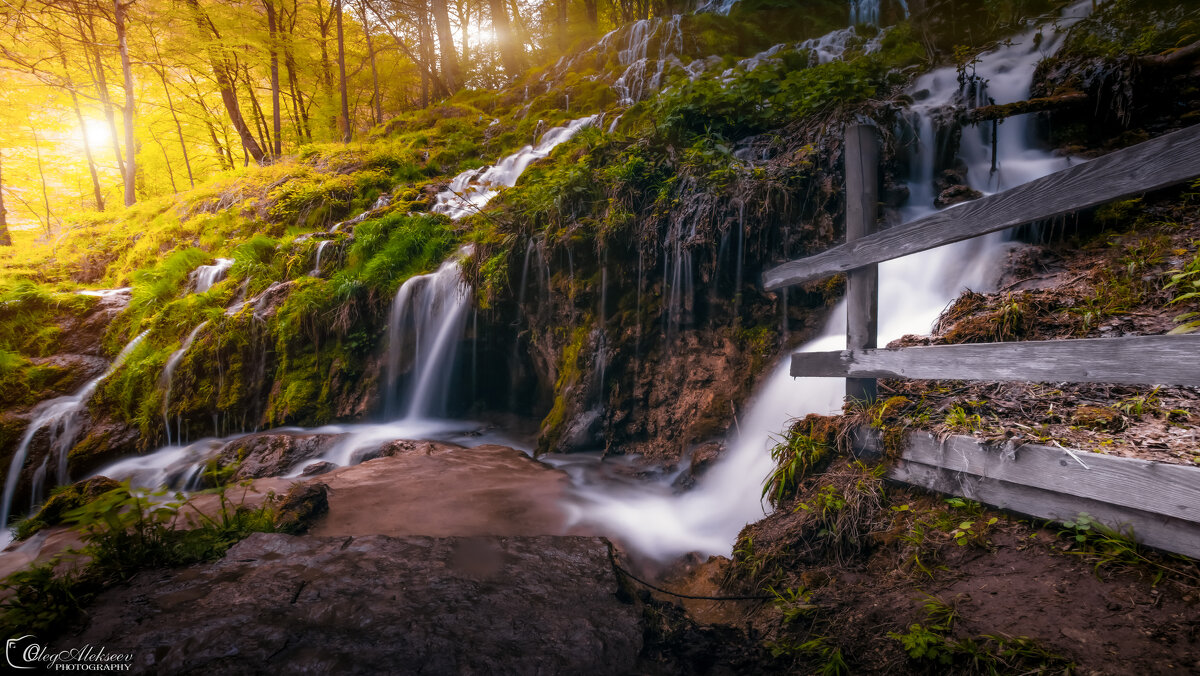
[(862, 284)]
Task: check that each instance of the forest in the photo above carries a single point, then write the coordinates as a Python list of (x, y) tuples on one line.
[(630, 337)]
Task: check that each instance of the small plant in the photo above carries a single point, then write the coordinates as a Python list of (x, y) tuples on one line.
[(959, 420), (793, 603), (1187, 281), (794, 457), (1146, 403), (985, 654)]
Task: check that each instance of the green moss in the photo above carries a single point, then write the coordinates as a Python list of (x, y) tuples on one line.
[(568, 376), (63, 500)]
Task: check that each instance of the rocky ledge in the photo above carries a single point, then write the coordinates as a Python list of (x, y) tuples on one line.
[(377, 604)]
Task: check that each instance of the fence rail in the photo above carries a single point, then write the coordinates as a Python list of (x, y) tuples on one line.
[(1160, 502), (1135, 360), (1165, 161)]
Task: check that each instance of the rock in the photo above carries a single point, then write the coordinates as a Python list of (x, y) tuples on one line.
[(75, 496), (956, 194), (376, 604), (85, 334), (301, 507), (704, 456), (77, 370), (316, 468), (272, 453)]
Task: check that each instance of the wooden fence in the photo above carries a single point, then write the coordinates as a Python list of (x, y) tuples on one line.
[(1160, 502)]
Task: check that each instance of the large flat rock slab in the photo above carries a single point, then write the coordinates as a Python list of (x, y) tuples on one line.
[(374, 605)]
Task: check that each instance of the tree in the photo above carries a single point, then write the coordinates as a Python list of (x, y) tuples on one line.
[(5, 238), (348, 129), (505, 43), (225, 73), (441, 18), (130, 170), (272, 32)]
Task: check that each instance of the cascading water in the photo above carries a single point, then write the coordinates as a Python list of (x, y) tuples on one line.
[(425, 324), (168, 375), (203, 277), (316, 271), (633, 85), (61, 418), (472, 189), (661, 524)]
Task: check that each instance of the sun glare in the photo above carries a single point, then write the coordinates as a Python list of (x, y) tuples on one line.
[(98, 135)]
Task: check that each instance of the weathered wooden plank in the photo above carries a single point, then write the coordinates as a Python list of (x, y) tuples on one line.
[(1155, 530), (862, 284), (1133, 360), (1160, 502), (1158, 163), (1160, 488)]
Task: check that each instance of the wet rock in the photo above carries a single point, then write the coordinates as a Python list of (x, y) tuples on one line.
[(401, 447), (705, 456), (301, 507), (318, 468), (272, 453), (376, 604), (102, 439), (85, 334), (77, 370), (75, 496), (956, 194)]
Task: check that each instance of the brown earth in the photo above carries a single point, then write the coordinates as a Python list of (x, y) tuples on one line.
[(1109, 283), (1105, 614)]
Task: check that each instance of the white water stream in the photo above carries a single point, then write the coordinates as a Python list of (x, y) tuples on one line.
[(60, 418), (429, 315), (662, 524), (205, 276)]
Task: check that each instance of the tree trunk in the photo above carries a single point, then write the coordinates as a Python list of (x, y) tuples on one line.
[(87, 147), (260, 117), (441, 20), (166, 160), (376, 107), (348, 130), (127, 75), (593, 16), (225, 83), (464, 19), (276, 120), (5, 238), (37, 148), (504, 38), (561, 28), (162, 75), (102, 92)]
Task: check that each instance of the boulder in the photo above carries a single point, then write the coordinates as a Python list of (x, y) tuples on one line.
[(272, 453), (375, 604)]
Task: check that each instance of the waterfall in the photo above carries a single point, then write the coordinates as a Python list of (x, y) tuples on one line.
[(655, 520), (203, 277), (168, 375), (426, 322), (469, 191), (61, 418), (316, 271), (633, 85)]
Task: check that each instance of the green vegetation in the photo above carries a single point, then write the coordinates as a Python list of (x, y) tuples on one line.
[(985, 654), (125, 531)]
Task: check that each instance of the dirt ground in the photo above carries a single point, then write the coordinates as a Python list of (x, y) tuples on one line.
[(1009, 596), (1107, 277)]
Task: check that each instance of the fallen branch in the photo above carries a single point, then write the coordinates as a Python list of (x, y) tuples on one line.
[(1004, 110)]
